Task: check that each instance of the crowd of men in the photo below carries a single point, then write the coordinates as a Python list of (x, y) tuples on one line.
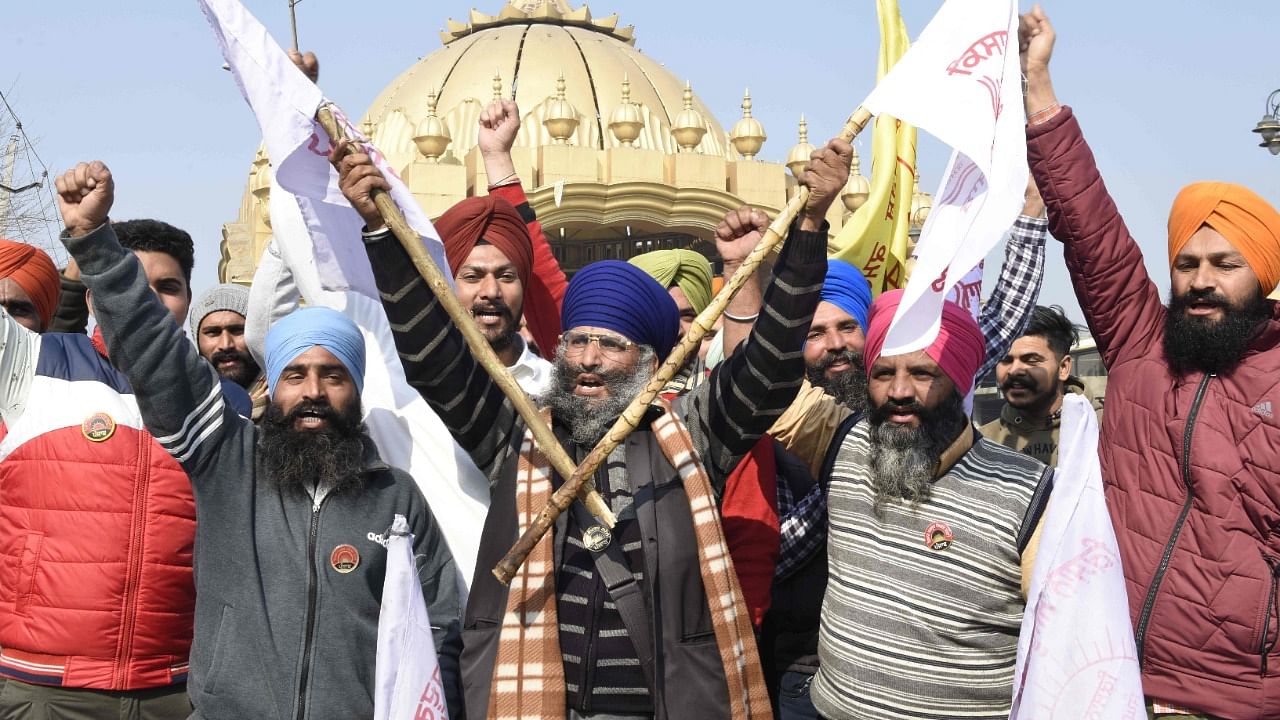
[(806, 526)]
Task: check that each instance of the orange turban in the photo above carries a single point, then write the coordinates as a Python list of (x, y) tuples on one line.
[(1247, 221), (34, 272)]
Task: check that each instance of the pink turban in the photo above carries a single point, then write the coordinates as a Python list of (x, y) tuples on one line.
[(958, 349)]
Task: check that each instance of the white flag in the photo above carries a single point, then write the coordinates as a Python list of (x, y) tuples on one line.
[(407, 684), (1076, 654), (961, 82), (318, 236)]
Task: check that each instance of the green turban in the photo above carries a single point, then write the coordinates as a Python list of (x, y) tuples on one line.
[(685, 268)]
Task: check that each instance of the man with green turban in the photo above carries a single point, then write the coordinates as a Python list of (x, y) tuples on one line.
[(687, 276)]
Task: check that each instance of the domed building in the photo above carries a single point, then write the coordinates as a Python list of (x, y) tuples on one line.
[(617, 154)]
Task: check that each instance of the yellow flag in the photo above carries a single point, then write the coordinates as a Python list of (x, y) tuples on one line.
[(875, 239)]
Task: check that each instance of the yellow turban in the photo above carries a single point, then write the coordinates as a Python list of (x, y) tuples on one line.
[(1247, 221), (685, 268)]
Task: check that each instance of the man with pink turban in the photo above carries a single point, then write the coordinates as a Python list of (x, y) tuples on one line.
[(930, 545), (29, 285)]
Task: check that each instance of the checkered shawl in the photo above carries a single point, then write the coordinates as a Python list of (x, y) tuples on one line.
[(528, 676)]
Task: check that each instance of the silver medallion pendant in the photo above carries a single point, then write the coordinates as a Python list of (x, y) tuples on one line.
[(596, 538)]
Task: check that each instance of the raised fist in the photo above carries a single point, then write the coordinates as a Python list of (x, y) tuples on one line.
[(308, 63), (738, 234), (358, 178), (499, 125), (1035, 40), (85, 195), (825, 176)]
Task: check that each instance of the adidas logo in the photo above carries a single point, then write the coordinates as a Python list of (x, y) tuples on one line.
[(1263, 408)]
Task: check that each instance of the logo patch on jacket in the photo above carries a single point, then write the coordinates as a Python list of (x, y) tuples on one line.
[(344, 558), (1263, 408), (938, 536), (98, 427)]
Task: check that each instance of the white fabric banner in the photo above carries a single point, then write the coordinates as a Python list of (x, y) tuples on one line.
[(1076, 654), (320, 253), (407, 684), (961, 82)]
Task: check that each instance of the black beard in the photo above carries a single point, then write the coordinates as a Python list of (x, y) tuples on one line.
[(1042, 400), (1211, 346), (589, 419), (295, 461), (849, 388), (245, 375), (506, 331), (903, 459)]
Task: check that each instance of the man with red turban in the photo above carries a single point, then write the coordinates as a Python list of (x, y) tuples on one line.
[(29, 285), (930, 540), (501, 263), (1190, 442)]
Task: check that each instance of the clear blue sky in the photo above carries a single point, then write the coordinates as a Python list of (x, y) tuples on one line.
[(1167, 92)]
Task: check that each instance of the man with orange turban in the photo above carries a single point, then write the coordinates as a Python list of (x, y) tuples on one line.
[(29, 285), (1190, 443), (920, 506)]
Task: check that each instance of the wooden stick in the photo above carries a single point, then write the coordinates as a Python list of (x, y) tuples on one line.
[(480, 348), (630, 418)]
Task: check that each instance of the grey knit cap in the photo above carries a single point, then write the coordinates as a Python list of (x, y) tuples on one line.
[(219, 297)]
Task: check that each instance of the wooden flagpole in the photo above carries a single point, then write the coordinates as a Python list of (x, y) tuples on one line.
[(630, 418), (476, 341)]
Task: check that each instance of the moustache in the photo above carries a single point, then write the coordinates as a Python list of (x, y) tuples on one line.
[(845, 356), (881, 413), (221, 355), (311, 408), (1206, 296), (1019, 381), (491, 307)]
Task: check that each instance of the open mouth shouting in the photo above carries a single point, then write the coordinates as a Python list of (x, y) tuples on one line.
[(589, 385)]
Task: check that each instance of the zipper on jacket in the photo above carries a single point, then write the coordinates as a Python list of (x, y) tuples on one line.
[(1141, 635), (312, 590), (1265, 648), (133, 578)]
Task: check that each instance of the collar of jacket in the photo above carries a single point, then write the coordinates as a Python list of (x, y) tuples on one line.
[(1014, 420), (963, 443)]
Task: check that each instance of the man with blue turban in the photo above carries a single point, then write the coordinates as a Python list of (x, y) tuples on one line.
[(579, 631), (289, 547)]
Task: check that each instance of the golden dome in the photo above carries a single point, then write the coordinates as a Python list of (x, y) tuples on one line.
[(748, 134), (626, 121), (857, 190), (561, 119), (689, 127), (800, 152), (530, 42), (432, 137)]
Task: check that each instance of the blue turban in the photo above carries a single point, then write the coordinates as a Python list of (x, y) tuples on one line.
[(846, 288), (623, 298), (303, 329)]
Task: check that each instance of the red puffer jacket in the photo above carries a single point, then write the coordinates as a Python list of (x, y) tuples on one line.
[(97, 524), (1191, 464)]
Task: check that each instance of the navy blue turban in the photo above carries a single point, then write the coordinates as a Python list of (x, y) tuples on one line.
[(303, 329), (623, 298), (847, 288)]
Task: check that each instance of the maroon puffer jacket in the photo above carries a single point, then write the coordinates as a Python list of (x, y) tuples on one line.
[(1191, 464)]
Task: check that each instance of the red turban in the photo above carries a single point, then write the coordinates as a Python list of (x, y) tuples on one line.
[(497, 222), (1247, 221), (958, 349), (34, 272)]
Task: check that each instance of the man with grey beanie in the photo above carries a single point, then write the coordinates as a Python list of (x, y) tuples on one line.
[(217, 323)]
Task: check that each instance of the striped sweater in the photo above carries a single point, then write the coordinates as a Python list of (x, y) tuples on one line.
[(924, 605)]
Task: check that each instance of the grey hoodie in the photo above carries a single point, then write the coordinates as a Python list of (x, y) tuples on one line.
[(287, 590)]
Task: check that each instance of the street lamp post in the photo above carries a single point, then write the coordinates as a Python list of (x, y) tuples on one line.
[(1269, 126)]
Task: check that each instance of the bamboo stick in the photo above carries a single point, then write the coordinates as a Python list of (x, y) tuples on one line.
[(630, 418), (476, 341)]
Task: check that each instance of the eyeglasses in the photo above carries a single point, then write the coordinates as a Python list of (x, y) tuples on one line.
[(610, 345)]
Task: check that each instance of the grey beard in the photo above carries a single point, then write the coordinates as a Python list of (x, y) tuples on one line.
[(903, 460), (587, 419), (849, 388)]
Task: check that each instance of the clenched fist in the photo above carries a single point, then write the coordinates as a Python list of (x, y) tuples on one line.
[(85, 195), (359, 178), (825, 176), (738, 234)]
